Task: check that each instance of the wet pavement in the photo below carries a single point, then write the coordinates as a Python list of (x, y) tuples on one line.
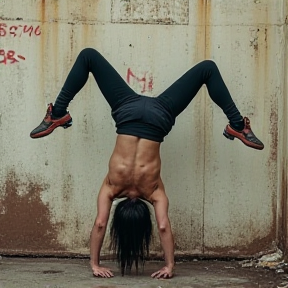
[(76, 273)]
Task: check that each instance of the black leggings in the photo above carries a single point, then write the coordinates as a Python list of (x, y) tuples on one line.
[(116, 90)]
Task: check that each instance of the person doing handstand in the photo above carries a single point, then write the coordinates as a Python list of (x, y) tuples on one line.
[(142, 123)]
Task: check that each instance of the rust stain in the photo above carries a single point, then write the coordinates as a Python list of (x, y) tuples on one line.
[(203, 51), (201, 28), (208, 26), (283, 229), (87, 32), (42, 12), (54, 36), (262, 73), (259, 245), (43, 9), (25, 220), (203, 34), (256, 247), (262, 70)]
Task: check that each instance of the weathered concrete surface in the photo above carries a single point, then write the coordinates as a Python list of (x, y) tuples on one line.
[(75, 273)]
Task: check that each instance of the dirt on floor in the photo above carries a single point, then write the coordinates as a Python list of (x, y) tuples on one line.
[(75, 273)]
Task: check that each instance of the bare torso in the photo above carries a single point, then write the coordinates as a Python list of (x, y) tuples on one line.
[(134, 172), (134, 168)]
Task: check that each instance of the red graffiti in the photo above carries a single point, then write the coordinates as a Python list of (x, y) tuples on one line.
[(19, 30), (146, 82), (9, 57)]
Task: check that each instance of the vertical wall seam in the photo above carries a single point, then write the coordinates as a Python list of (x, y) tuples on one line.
[(285, 131), (204, 134)]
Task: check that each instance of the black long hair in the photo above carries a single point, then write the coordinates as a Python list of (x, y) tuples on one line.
[(131, 232)]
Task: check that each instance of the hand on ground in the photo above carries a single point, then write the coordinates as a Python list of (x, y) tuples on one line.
[(101, 272), (165, 273)]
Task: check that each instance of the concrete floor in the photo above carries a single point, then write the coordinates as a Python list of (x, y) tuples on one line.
[(75, 273)]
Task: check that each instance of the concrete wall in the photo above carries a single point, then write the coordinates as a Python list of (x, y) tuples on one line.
[(282, 200), (225, 199)]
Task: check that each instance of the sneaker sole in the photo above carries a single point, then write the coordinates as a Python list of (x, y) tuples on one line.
[(51, 129), (247, 143)]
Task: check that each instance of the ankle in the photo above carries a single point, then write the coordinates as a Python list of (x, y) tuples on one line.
[(238, 126), (58, 113)]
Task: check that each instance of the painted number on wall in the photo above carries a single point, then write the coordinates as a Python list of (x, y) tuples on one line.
[(19, 30), (9, 57)]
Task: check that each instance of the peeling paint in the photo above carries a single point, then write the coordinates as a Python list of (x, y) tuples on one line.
[(151, 12)]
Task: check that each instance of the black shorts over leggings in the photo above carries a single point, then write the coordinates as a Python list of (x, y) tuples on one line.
[(151, 118)]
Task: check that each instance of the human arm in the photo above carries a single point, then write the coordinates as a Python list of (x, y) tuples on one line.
[(161, 203), (104, 203)]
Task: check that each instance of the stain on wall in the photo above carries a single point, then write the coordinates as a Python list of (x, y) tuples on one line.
[(25, 221)]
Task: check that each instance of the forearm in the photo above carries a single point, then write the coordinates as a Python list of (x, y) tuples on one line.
[(96, 241), (167, 242)]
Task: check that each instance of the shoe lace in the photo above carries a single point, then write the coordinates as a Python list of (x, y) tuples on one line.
[(247, 123), (48, 113)]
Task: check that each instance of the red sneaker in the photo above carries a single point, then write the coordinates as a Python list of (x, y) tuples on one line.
[(49, 123), (246, 135)]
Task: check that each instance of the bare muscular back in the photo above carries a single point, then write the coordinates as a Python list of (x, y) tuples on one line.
[(134, 167)]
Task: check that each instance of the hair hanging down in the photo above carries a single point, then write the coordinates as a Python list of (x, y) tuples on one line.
[(131, 231)]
